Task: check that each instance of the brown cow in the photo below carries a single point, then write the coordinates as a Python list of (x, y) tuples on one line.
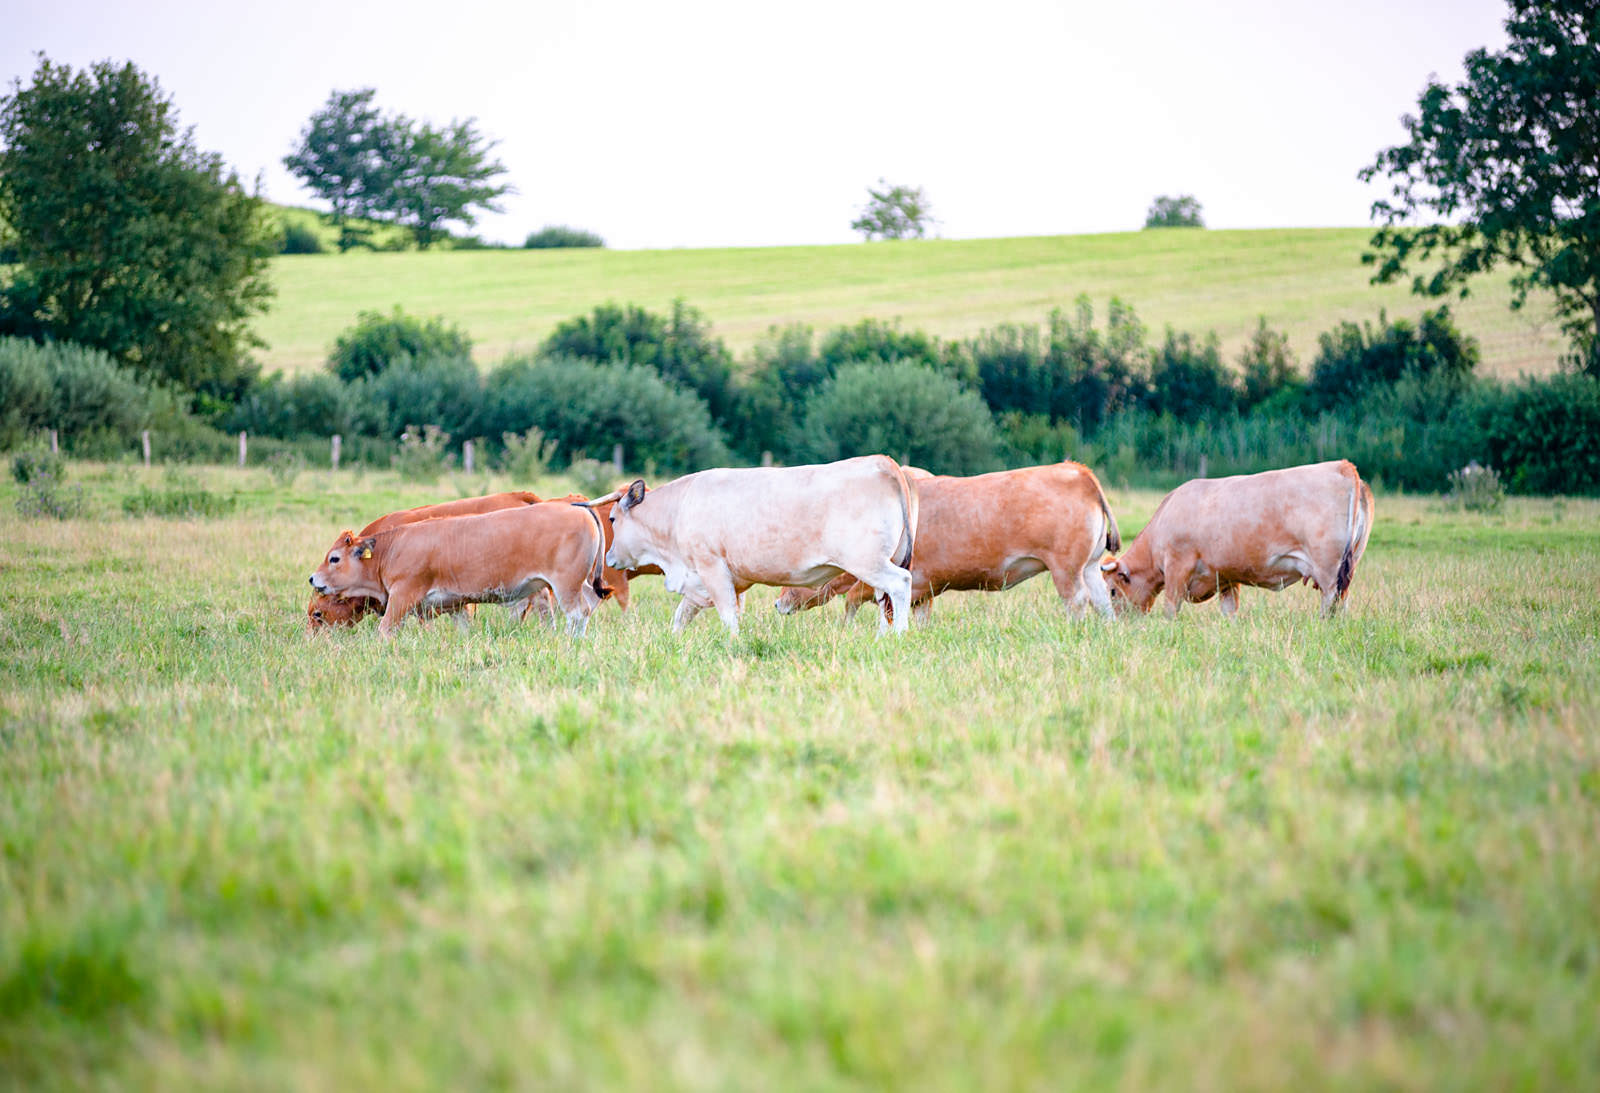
[(991, 532), (1211, 536), (328, 610), (343, 611), (495, 557)]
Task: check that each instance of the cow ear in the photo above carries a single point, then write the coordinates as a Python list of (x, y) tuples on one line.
[(345, 539), (634, 494), (366, 545)]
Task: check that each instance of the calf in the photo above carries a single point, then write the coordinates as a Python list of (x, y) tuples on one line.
[(496, 557), (1211, 536), (991, 532)]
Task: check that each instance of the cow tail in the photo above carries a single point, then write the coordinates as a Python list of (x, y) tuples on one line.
[(597, 567), (908, 529), (1359, 495), (1113, 535)]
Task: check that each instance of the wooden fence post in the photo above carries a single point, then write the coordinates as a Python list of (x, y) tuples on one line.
[(144, 438), (766, 459), (337, 439), (1202, 464), (466, 456), (242, 447), (55, 448), (616, 457)]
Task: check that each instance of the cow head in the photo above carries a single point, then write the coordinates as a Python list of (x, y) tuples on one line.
[(628, 538), (331, 610), (1130, 586), (348, 569)]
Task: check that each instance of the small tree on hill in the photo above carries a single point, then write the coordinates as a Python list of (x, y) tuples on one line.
[(1509, 161), (1174, 212), (128, 237), (894, 212), (344, 157), (439, 176)]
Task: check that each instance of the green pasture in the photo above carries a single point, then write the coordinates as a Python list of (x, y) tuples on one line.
[(1011, 849), (1303, 281)]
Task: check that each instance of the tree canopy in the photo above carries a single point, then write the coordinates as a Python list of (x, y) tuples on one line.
[(128, 238), (370, 166), (344, 157), (894, 212), (1508, 163), (1182, 211)]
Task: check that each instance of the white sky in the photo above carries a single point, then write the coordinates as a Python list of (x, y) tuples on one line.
[(690, 123)]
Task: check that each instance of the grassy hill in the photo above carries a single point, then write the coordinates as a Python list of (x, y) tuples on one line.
[(1302, 280)]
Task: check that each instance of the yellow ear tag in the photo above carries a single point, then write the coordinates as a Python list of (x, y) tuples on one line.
[(366, 553)]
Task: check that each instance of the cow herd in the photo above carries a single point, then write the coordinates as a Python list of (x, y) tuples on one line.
[(866, 527)]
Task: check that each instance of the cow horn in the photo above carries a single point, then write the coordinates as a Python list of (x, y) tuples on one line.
[(1108, 566), (593, 501)]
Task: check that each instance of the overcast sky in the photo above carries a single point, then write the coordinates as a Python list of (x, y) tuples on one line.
[(688, 123)]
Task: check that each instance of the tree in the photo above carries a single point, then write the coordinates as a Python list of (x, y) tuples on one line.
[(1174, 212), (128, 237), (440, 175), (344, 157), (1509, 162), (894, 212)]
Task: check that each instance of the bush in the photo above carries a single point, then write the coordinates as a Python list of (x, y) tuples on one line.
[(783, 373), (557, 236), (906, 411), (37, 463), (442, 391), (181, 496), (1544, 435), (593, 477), (1174, 212), (1033, 438), (95, 405), (299, 239), (44, 494), (378, 340), (528, 456), (423, 456), (1476, 488), (681, 348), (873, 340), (1188, 379), (1267, 369), (314, 404), (586, 406), (1351, 358)]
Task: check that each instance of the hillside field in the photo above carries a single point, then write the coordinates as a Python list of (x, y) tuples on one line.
[(1010, 850), (1302, 280)]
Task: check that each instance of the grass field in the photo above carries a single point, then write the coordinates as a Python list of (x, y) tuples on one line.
[(1303, 281), (1009, 850)]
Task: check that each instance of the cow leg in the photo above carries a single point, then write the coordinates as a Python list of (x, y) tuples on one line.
[(1228, 599), (724, 596), (895, 583), (684, 615), (1090, 585), (402, 601)]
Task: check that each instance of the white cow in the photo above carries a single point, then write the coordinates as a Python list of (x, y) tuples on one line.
[(715, 533)]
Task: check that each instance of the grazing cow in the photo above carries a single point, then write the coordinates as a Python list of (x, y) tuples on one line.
[(715, 533), (344, 611), (1211, 536), (991, 532), (329, 610), (495, 557)]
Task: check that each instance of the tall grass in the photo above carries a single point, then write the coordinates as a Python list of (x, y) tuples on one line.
[(1012, 849)]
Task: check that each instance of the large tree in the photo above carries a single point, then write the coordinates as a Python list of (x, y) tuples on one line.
[(440, 175), (1508, 164), (345, 157), (128, 237)]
